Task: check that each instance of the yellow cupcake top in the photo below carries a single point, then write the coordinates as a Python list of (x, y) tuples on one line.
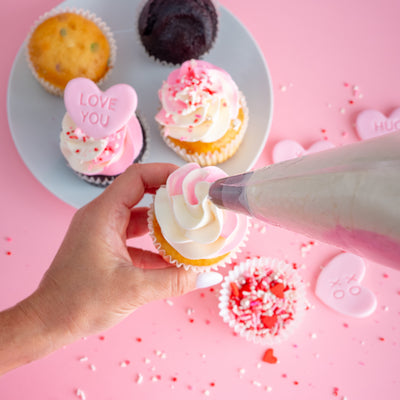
[(67, 46)]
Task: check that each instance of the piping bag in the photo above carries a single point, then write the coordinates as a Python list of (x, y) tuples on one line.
[(347, 196)]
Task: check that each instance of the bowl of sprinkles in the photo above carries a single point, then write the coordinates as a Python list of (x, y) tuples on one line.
[(263, 300)]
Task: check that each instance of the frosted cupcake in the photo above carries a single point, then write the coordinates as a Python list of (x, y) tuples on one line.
[(71, 43), (203, 114), (263, 300), (101, 134), (174, 31), (190, 231)]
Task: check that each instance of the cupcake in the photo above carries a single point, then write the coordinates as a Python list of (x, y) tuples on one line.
[(263, 300), (101, 135), (187, 228), (175, 31), (66, 44), (203, 115)]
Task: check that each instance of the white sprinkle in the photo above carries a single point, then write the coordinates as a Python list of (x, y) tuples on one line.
[(268, 388), (147, 361), (342, 111), (92, 367), (139, 379), (189, 311), (313, 335), (80, 394), (206, 392), (242, 371), (123, 364), (155, 378), (385, 308), (169, 302), (259, 365), (83, 359), (316, 355), (283, 88), (256, 383)]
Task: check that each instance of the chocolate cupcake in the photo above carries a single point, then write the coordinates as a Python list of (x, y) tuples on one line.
[(178, 30)]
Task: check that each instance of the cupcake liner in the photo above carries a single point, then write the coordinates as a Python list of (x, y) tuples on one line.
[(163, 62), (218, 156), (206, 268), (297, 303), (86, 14)]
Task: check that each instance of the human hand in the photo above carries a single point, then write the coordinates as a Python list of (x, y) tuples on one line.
[(96, 280)]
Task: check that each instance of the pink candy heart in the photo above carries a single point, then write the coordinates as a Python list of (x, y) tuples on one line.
[(339, 286), (372, 123), (288, 149), (98, 113)]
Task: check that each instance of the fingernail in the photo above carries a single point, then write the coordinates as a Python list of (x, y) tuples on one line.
[(207, 279)]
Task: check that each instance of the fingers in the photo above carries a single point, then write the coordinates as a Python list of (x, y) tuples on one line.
[(128, 189), (137, 225)]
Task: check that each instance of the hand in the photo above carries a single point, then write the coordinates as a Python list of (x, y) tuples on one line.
[(96, 280)]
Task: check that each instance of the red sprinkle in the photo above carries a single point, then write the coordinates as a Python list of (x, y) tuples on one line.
[(139, 339), (269, 357), (335, 391), (9, 253)]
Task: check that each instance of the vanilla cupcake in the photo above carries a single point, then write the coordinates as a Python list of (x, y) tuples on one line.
[(187, 228), (101, 135), (203, 114), (70, 43), (263, 300)]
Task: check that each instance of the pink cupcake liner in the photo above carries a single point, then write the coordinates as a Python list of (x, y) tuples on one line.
[(248, 315), (221, 264), (88, 15)]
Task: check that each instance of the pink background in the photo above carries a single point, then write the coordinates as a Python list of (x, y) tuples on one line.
[(317, 51)]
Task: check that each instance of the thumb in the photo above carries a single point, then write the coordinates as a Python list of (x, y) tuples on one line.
[(173, 281)]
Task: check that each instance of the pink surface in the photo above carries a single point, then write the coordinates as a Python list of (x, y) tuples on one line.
[(328, 61)]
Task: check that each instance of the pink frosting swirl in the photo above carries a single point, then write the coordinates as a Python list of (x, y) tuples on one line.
[(190, 222), (199, 102)]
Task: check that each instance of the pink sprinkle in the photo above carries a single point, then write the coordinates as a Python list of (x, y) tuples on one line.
[(385, 275), (346, 84), (8, 239)]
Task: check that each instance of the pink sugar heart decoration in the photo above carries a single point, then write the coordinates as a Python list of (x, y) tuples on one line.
[(288, 149), (98, 113), (372, 123), (339, 286)]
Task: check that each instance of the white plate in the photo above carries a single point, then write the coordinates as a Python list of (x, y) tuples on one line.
[(35, 116)]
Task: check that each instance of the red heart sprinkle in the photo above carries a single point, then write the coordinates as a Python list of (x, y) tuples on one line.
[(269, 322), (269, 357), (278, 290)]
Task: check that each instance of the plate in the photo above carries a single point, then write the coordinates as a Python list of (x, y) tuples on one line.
[(35, 116)]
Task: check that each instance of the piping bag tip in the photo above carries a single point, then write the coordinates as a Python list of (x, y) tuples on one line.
[(230, 193)]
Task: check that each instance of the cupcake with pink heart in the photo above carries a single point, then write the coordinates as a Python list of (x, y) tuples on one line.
[(101, 134)]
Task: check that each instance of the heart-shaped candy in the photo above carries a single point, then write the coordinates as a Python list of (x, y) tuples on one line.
[(269, 357), (372, 123), (98, 113), (288, 149), (339, 286)]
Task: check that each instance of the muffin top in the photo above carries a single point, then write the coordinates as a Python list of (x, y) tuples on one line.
[(66, 46), (178, 30)]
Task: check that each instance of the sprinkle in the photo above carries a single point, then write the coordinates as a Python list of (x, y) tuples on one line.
[(206, 392), (385, 275), (124, 364), (147, 361), (268, 388), (84, 359), (335, 391), (92, 367), (63, 32), (156, 378), (101, 337), (342, 111), (169, 302), (256, 383), (139, 379), (138, 339), (8, 253), (242, 371), (283, 88), (80, 394), (313, 335)]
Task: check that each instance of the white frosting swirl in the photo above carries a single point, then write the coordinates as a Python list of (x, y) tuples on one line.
[(199, 101), (190, 222)]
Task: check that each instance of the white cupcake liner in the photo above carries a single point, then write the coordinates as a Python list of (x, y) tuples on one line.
[(163, 62), (218, 156), (232, 255), (247, 268), (86, 14)]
